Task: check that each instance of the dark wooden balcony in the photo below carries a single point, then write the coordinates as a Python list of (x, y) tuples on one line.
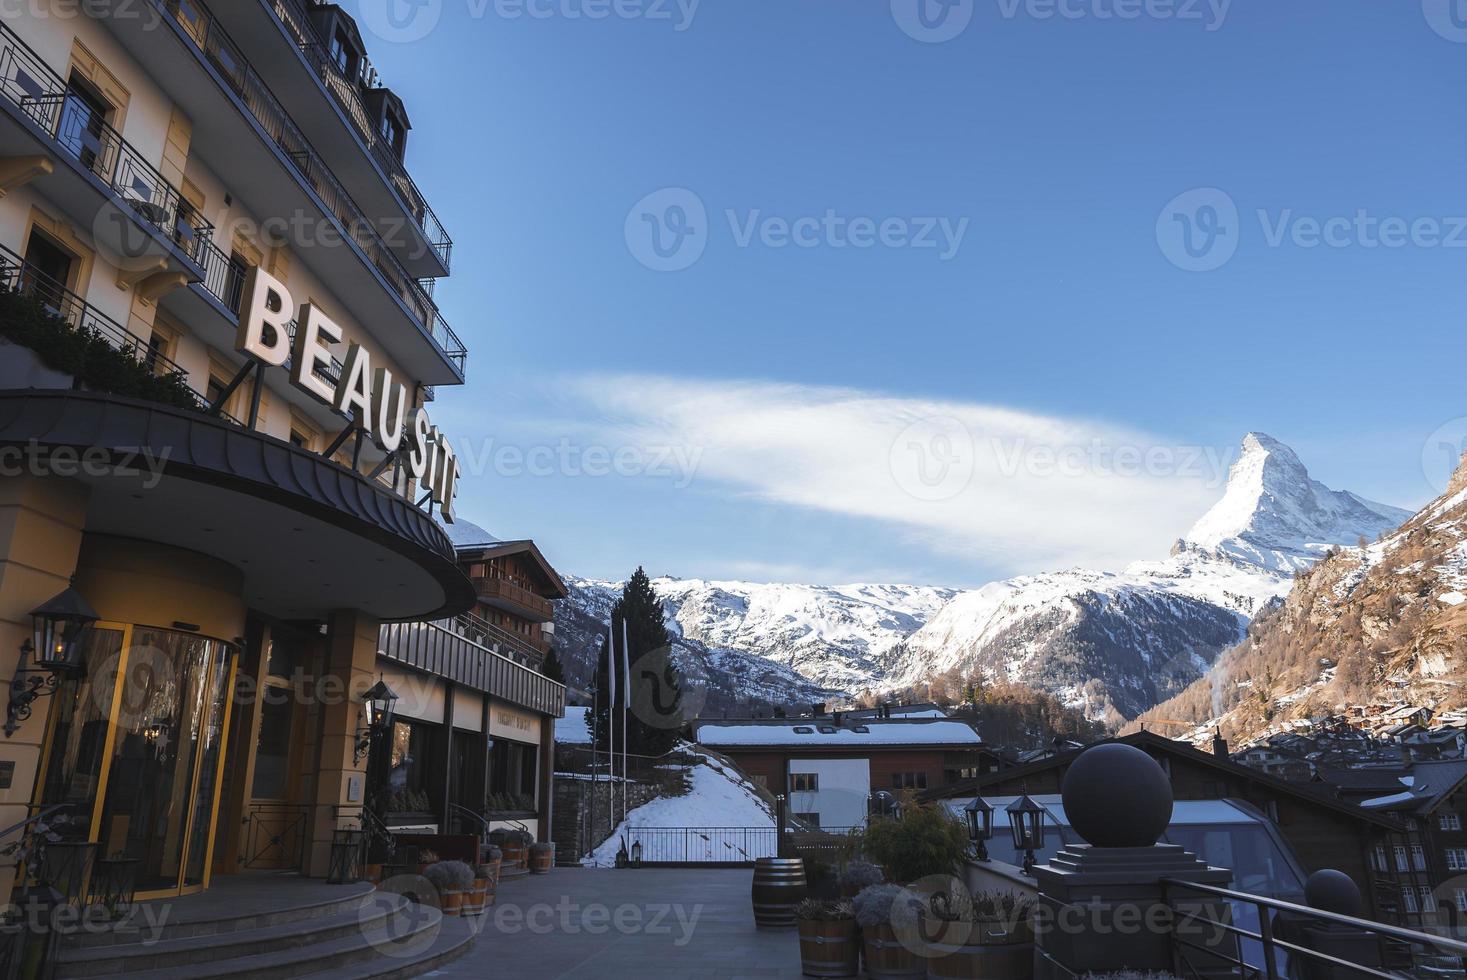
[(514, 599)]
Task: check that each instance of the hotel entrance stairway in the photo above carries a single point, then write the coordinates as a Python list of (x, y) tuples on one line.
[(272, 926)]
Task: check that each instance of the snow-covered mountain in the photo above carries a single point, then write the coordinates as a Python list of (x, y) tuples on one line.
[(1113, 642)]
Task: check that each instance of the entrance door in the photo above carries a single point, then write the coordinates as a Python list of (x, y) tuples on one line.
[(137, 745), (276, 825)]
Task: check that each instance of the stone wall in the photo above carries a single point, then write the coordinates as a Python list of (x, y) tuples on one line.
[(583, 817)]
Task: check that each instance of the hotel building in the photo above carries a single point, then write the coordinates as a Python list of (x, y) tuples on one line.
[(252, 519)]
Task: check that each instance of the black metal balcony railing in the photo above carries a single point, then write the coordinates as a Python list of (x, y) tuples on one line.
[(442, 648), (227, 58), (80, 134), (224, 277), (18, 275), (298, 22)]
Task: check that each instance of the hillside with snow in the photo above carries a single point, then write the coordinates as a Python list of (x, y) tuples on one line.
[(1111, 643)]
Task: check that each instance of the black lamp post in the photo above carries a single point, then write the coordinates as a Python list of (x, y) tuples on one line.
[(1026, 821), (979, 814), (883, 804), (636, 854), (60, 627), (378, 704)]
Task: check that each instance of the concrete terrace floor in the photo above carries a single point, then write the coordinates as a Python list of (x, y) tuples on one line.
[(603, 923)]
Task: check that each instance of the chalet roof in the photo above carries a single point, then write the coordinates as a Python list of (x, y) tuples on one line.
[(485, 546), (1384, 780), (1151, 742), (1432, 783)]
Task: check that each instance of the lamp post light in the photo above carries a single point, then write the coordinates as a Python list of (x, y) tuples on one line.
[(979, 814), (1026, 821), (59, 629), (636, 854), (883, 804), (378, 705)]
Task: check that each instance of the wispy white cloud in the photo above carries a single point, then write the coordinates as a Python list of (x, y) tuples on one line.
[(1006, 488)]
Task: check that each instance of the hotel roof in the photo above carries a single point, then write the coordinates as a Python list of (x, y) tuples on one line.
[(822, 732)]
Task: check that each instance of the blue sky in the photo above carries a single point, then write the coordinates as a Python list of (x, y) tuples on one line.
[(827, 412)]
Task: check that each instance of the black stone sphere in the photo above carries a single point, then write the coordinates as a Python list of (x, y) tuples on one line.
[(1117, 796), (1333, 891)]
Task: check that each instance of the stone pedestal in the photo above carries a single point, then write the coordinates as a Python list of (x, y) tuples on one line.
[(1103, 909)]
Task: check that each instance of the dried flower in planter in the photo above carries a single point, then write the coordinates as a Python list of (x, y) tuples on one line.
[(820, 910), (860, 874)]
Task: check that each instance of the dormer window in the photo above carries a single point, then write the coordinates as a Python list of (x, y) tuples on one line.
[(389, 131), (343, 55), (827, 729), (804, 730)]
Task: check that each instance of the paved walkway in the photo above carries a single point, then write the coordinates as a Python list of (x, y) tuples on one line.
[(603, 924)]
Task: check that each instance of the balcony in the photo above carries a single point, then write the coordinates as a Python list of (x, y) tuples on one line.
[(457, 650), (228, 100), (328, 103), (514, 599), (109, 187)]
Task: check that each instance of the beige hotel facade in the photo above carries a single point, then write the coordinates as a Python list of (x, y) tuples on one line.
[(216, 193)]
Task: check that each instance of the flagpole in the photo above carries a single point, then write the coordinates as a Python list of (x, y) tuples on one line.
[(627, 681), (611, 718)]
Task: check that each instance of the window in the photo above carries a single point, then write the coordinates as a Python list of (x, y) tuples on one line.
[(861, 730), (408, 785), (827, 730), (1449, 820), (813, 819), (1408, 898), (909, 780), (342, 54), (804, 782), (804, 730), (1382, 863), (1428, 900), (272, 752), (1460, 897), (1457, 859), (1418, 857), (390, 131), (1401, 864)]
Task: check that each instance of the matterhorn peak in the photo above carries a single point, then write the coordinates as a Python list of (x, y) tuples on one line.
[(1274, 515)]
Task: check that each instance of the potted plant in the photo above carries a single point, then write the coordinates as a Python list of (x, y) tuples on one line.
[(924, 840), (857, 875), (515, 844), (453, 880), (481, 892), (887, 957), (491, 857), (829, 943), (990, 934), (542, 857)]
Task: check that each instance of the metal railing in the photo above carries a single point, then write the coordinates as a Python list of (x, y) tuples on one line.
[(227, 58), (1271, 950), (442, 648), (28, 82), (298, 23), (275, 835), (704, 845), (224, 277)]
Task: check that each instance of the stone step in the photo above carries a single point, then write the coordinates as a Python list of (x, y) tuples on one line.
[(381, 912), (382, 949), (455, 938), (210, 915)]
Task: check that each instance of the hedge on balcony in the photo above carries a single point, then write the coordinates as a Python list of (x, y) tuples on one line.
[(86, 354)]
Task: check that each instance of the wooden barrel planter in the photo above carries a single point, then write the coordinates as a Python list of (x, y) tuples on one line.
[(542, 858), (988, 952), (515, 855), (779, 885), (829, 949), (887, 958)]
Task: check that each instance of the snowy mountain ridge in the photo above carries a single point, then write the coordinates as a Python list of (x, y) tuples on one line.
[(1113, 643)]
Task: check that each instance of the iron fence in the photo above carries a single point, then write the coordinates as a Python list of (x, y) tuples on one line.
[(704, 845)]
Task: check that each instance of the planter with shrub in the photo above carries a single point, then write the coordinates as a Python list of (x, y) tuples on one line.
[(542, 857), (829, 943), (887, 957), (857, 875), (453, 880), (924, 840), (515, 844), (481, 893), (989, 935)]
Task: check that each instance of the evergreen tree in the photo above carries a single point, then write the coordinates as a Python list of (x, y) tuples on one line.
[(655, 707), (552, 668)]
